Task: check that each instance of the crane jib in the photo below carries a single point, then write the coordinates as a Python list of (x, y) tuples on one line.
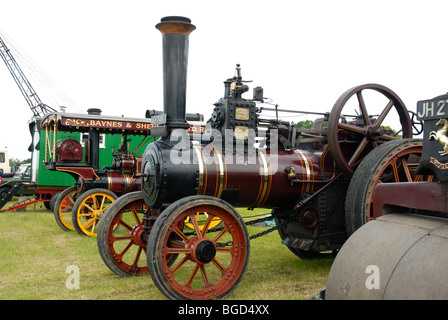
[(36, 105)]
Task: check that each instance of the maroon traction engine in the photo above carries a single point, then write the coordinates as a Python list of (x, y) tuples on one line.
[(197, 245)]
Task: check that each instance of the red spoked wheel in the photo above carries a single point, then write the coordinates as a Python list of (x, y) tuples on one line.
[(363, 118), (121, 238), (393, 162), (209, 262)]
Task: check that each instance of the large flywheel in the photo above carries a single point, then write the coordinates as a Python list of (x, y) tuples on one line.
[(363, 118), (203, 263)]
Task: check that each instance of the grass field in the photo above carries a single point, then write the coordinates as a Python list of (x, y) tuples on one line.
[(35, 254)]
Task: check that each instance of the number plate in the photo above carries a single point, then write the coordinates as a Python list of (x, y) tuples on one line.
[(434, 159), (436, 108)]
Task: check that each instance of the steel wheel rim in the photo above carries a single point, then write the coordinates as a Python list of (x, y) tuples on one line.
[(91, 210), (203, 269), (126, 240)]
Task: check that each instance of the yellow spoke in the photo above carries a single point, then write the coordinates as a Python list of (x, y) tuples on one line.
[(88, 223), (102, 202), (88, 207)]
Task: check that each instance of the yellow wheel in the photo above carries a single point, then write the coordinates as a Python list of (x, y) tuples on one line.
[(201, 218), (63, 208), (89, 208)]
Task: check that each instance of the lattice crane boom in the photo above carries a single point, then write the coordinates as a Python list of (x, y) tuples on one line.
[(37, 107)]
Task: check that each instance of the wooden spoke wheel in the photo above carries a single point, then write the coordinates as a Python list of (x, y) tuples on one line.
[(63, 208), (363, 118), (209, 264), (89, 208), (395, 161), (121, 237)]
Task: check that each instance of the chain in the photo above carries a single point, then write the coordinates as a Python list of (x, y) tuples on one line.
[(247, 223), (262, 233)]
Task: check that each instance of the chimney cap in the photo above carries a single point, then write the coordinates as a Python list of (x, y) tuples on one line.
[(175, 24), (175, 19), (94, 111)]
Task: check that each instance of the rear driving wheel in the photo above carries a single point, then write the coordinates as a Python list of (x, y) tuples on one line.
[(392, 162)]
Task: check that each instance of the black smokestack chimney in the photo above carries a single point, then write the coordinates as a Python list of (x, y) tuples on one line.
[(175, 31)]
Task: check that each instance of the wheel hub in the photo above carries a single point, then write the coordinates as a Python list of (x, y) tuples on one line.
[(137, 234), (202, 251), (373, 133)]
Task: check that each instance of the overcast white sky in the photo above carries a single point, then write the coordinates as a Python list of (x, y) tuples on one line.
[(107, 53)]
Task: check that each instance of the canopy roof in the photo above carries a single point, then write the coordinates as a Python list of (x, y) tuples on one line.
[(76, 122)]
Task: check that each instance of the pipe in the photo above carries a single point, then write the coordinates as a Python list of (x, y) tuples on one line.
[(175, 38), (94, 137), (189, 116)]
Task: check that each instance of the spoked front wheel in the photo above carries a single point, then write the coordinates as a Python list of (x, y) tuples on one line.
[(203, 263), (89, 209), (121, 237)]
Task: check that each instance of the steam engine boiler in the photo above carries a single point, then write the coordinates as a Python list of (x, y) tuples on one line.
[(236, 158)]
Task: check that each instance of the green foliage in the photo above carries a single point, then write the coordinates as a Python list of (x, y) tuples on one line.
[(14, 161), (307, 124), (388, 128)]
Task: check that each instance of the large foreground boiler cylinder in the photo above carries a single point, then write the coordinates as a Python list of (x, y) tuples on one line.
[(397, 256)]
